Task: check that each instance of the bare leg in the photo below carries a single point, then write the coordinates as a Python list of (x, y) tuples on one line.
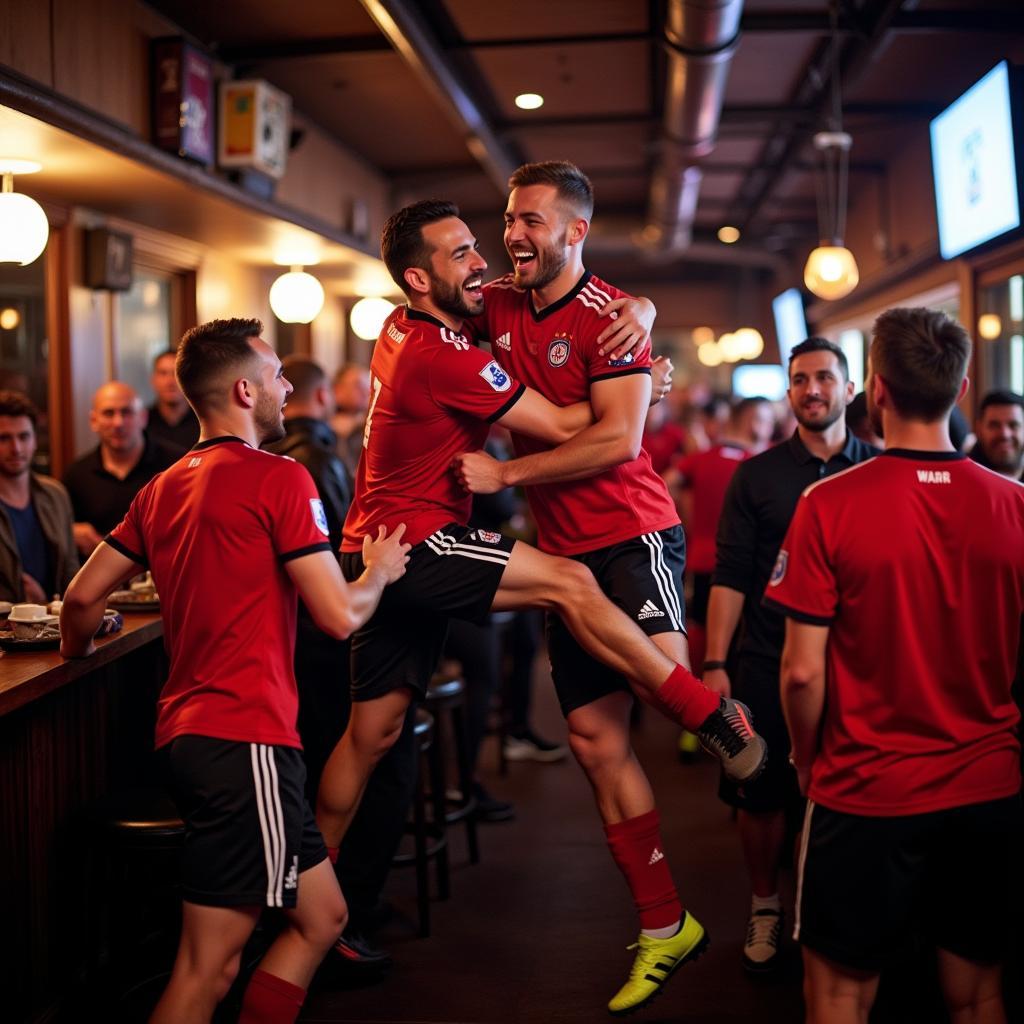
[(836, 994), (212, 940), (372, 730), (973, 992), (599, 738), (319, 916), (762, 835)]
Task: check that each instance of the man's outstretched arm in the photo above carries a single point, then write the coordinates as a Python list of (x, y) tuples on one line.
[(86, 598)]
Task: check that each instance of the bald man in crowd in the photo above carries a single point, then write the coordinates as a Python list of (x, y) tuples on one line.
[(103, 482)]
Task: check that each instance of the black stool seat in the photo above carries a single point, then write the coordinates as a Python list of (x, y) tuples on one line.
[(444, 694), (138, 814)]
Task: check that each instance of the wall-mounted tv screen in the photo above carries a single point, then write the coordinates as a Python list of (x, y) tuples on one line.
[(790, 323), (975, 166), (765, 380)]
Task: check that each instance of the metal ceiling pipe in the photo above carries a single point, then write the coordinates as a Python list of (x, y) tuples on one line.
[(701, 37)]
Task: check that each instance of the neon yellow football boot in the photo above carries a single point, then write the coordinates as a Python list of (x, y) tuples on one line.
[(656, 961)]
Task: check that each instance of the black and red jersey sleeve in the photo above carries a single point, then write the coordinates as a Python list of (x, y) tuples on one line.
[(594, 295), (802, 585), (298, 523), (466, 379), (128, 537)]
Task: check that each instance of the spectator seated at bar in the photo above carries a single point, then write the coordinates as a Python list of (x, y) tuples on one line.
[(37, 553), (1000, 431), (103, 482), (171, 419)]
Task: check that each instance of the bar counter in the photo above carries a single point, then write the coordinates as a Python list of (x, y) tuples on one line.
[(70, 732)]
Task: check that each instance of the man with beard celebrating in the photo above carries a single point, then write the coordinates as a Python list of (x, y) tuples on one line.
[(433, 394), (230, 534), (1000, 431), (758, 508)]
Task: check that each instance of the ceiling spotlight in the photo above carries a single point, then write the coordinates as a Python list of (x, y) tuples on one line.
[(701, 335), (709, 353), (529, 100), (728, 234), (750, 342)]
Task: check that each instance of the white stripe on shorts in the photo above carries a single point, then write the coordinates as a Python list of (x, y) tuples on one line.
[(443, 544), (663, 578), (268, 806), (800, 870)]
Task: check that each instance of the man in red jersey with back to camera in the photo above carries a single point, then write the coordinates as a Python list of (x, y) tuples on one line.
[(597, 500), (231, 533), (433, 393), (902, 580)]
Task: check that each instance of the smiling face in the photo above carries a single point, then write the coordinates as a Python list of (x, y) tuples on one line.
[(537, 229), (1000, 430), (818, 392), (455, 268), (118, 418), (272, 391)]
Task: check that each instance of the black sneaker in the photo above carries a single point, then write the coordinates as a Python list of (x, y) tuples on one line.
[(528, 746), (728, 735), (354, 949), (490, 809)]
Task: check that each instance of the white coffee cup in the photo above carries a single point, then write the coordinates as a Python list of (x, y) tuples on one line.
[(29, 620)]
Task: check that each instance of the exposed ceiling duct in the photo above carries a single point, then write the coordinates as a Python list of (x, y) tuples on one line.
[(701, 37)]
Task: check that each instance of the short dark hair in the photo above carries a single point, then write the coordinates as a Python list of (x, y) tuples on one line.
[(816, 344), (209, 350), (921, 354), (345, 369), (1000, 397), (14, 403), (744, 405), (304, 375), (401, 242), (569, 182), (172, 352)]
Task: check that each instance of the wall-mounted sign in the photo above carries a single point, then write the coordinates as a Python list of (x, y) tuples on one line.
[(255, 126), (108, 259), (183, 100)]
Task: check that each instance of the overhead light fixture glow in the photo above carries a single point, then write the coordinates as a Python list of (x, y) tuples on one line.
[(24, 229), (831, 272), (9, 318), (749, 342), (732, 347), (529, 101), (368, 316), (296, 297), (728, 234), (990, 326), (709, 353), (701, 335)]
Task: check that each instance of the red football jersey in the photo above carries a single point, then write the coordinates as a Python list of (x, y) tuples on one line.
[(432, 395), (555, 352), (707, 475), (916, 562), (216, 530)]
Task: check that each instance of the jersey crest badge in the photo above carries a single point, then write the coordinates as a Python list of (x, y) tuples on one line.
[(558, 350), (316, 506), (496, 376), (488, 536), (779, 571)]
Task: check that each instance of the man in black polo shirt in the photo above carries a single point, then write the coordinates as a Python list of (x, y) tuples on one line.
[(758, 507), (171, 419), (103, 482)]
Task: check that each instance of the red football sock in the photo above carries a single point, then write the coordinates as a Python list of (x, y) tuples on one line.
[(271, 1000), (638, 850), (685, 699)]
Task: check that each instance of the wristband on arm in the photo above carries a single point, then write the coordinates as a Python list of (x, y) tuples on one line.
[(709, 665)]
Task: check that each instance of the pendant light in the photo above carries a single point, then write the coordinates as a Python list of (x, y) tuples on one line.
[(24, 229)]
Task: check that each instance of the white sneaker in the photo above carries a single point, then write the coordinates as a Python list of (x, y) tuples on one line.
[(763, 944)]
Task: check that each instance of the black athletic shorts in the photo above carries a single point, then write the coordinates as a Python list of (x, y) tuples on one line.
[(454, 573), (644, 577), (866, 886), (755, 681), (249, 832)]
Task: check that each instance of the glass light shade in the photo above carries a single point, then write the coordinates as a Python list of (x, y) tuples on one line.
[(24, 229), (732, 347), (296, 297), (368, 316), (831, 272), (9, 318), (709, 353), (529, 101), (728, 234), (990, 326), (750, 342)]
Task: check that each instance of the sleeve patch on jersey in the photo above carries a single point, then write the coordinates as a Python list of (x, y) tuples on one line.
[(319, 515), (779, 571), (496, 376), (626, 360)]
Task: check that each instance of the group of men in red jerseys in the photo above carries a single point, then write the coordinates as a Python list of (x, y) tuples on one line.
[(574, 393)]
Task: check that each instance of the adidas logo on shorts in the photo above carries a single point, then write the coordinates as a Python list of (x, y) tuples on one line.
[(291, 880), (650, 611)]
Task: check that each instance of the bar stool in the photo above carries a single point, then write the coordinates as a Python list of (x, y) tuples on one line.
[(138, 834), (430, 841), (445, 700)]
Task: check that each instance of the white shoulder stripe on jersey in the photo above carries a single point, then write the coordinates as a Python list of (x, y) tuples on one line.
[(589, 303), (804, 839), (597, 292), (663, 578), (268, 806)]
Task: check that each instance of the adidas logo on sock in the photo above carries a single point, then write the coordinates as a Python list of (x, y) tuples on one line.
[(655, 857), (650, 611)]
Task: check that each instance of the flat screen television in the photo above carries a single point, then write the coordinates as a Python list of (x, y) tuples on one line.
[(975, 166), (765, 380), (790, 323)]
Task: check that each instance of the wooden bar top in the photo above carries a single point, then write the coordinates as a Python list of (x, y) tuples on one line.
[(25, 677)]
